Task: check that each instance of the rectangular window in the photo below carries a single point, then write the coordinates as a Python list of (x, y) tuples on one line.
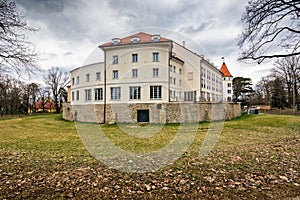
[(115, 93), (98, 76), (155, 92), (73, 96), (135, 57), (115, 74), (155, 72), (155, 57), (174, 81), (73, 81), (190, 76), (189, 96), (179, 95), (135, 92), (180, 82), (77, 80), (98, 94), (87, 77), (229, 91), (115, 59), (88, 95), (228, 84), (77, 95), (134, 73)]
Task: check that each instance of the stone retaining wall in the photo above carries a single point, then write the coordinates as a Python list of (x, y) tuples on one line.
[(158, 113)]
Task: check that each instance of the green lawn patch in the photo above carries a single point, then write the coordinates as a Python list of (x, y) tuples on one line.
[(255, 157)]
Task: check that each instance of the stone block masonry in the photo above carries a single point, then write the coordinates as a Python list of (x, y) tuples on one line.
[(153, 113)]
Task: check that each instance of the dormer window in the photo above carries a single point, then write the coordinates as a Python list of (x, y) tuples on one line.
[(155, 38), (116, 41), (135, 40)]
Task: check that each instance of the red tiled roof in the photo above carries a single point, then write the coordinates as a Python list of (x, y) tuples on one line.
[(225, 70), (47, 105), (144, 38)]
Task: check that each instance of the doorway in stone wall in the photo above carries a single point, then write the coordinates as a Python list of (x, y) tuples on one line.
[(142, 115)]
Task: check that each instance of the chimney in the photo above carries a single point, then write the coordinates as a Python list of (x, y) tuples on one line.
[(183, 43)]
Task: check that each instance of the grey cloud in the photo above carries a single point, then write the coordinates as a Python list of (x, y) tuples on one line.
[(68, 53), (151, 13), (57, 16), (195, 29)]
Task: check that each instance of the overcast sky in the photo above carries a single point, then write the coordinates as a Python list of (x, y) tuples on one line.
[(71, 30)]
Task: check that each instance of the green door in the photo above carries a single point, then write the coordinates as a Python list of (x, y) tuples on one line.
[(143, 115)]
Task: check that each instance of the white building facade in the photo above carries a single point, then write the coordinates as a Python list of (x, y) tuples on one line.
[(149, 78), (144, 68)]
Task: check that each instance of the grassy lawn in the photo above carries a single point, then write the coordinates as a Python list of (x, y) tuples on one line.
[(256, 157)]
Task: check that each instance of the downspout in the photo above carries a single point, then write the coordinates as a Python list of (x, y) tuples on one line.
[(104, 97), (169, 64)]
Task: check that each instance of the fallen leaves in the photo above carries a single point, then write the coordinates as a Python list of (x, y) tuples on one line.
[(257, 171)]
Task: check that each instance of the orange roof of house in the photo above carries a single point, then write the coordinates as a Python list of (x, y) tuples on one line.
[(225, 70), (47, 105), (144, 38)]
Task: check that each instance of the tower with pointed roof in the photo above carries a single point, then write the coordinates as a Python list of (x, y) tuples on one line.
[(227, 83)]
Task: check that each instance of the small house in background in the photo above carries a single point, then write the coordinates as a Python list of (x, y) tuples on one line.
[(48, 107)]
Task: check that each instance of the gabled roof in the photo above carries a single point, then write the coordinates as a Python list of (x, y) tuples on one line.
[(143, 38), (47, 105), (225, 70)]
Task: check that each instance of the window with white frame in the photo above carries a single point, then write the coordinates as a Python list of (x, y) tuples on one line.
[(134, 73), (73, 96), (155, 72), (115, 74), (98, 76), (115, 93), (172, 94), (87, 79), (155, 57), (77, 95), (115, 59), (189, 96), (179, 95), (135, 92), (190, 76), (155, 92), (134, 57), (98, 94), (88, 95)]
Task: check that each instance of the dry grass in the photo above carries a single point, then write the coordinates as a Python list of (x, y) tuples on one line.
[(257, 157)]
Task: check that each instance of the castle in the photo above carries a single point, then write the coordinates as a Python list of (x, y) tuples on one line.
[(141, 76)]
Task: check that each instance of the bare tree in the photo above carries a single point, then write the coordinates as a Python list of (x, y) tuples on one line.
[(16, 53), (57, 81), (271, 30), (43, 91), (289, 71), (265, 87)]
